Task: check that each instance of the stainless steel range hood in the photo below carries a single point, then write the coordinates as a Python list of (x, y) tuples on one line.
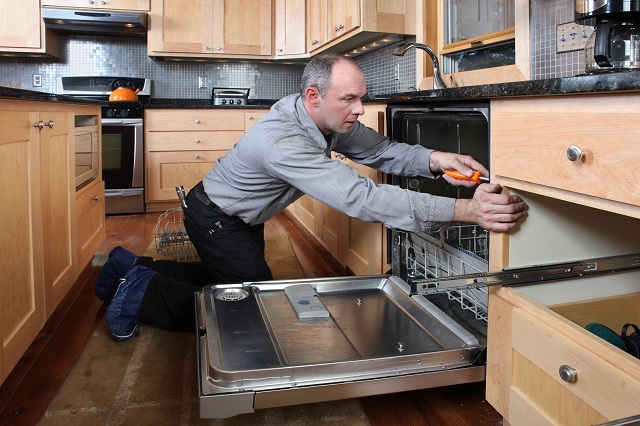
[(95, 22)]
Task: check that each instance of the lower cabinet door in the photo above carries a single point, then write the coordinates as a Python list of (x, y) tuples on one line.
[(166, 170)]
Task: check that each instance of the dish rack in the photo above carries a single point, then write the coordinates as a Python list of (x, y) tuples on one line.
[(171, 239), (452, 250)]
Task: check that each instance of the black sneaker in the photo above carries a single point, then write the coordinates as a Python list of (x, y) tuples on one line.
[(120, 261), (122, 313)]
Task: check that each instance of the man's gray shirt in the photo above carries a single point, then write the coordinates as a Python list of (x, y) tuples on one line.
[(284, 156)]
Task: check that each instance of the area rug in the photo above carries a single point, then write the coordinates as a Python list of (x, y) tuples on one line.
[(152, 379)]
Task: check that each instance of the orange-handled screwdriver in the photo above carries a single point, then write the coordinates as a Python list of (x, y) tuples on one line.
[(476, 177)]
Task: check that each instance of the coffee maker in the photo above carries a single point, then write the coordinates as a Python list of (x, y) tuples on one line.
[(615, 42)]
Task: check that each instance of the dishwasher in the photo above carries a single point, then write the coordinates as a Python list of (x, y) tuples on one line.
[(423, 325)]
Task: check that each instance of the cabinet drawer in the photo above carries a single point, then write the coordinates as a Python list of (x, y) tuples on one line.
[(192, 141), (193, 120), (530, 349), (530, 139), (166, 170)]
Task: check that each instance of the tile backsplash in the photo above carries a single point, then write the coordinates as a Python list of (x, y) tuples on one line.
[(127, 56)]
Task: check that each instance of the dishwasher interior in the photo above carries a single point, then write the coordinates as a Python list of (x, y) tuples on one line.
[(457, 248)]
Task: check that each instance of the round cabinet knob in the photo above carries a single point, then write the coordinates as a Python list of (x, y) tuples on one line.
[(197, 157), (314, 42), (197, 121), (251, 118), (218, 48), (568, 374), (197, 141), (50, 124), (96, 198), (280, 50), (574, 153), (91, 2), (39, 124), (103, 2), (207, 47)]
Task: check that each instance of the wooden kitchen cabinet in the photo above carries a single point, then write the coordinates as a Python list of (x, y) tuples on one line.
[(90, 214), (22, 311), (22, 30), (339, 25), (358, 245), (205, 28), (133, 5), (578, 210), (290, 25), (38, 245), (181, 146)]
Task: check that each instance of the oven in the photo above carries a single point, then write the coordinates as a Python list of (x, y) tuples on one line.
[(122, 165), (122, 138)]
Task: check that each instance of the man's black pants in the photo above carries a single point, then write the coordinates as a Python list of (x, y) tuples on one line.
[(230, 251)]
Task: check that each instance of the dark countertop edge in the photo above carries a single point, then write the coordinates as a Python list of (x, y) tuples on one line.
[(628, 81), (585, 84)]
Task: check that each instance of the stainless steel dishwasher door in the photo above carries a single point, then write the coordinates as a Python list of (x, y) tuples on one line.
[(254, 351)]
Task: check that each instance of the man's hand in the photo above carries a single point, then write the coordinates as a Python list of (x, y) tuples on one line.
[(490, 209), (440, 161)]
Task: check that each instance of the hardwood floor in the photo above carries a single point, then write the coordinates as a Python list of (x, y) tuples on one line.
[(34, 382)]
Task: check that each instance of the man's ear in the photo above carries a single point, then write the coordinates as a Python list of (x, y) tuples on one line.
[(312, 95)]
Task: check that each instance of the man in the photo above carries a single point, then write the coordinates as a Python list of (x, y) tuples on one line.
[(285, 155)]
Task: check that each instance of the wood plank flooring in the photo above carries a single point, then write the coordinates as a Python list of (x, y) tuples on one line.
[(34, 382)]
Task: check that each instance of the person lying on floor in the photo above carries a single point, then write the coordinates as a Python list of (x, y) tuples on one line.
[(285, 155)]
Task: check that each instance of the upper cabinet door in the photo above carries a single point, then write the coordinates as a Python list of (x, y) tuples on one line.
[(210, 27), (242, 27), (141, 5), (290, 25), (181, 27), (20, 24), (317, 24), (345, 16)]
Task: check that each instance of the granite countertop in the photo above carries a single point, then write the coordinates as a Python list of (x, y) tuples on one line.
[(584, 84)]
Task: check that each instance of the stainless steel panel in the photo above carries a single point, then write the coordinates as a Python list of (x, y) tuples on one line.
[(376, 331)]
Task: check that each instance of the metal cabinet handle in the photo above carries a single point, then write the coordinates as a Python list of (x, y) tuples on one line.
[(339, 27), (207, 47), (197, 121), (568, 374), (197, 157), (315, 42), (574, 153), (197, 141), (251, 118), (91, 2), (39, 124), (96, 198), (280, 50), (50, 124)]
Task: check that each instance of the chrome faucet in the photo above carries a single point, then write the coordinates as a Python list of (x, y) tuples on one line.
[(438, 82)]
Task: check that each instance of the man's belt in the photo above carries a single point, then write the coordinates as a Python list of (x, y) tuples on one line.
[(201, 195)]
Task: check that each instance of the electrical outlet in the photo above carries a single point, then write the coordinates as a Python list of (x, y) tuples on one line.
[(37, 80), (571, 37), (202, 82), (396, 72)]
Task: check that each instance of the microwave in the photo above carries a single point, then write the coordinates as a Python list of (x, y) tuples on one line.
[(87, 150)]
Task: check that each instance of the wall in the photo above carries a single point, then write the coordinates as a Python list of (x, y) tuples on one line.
[(545, 15), (125, 56), (82, 55)]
